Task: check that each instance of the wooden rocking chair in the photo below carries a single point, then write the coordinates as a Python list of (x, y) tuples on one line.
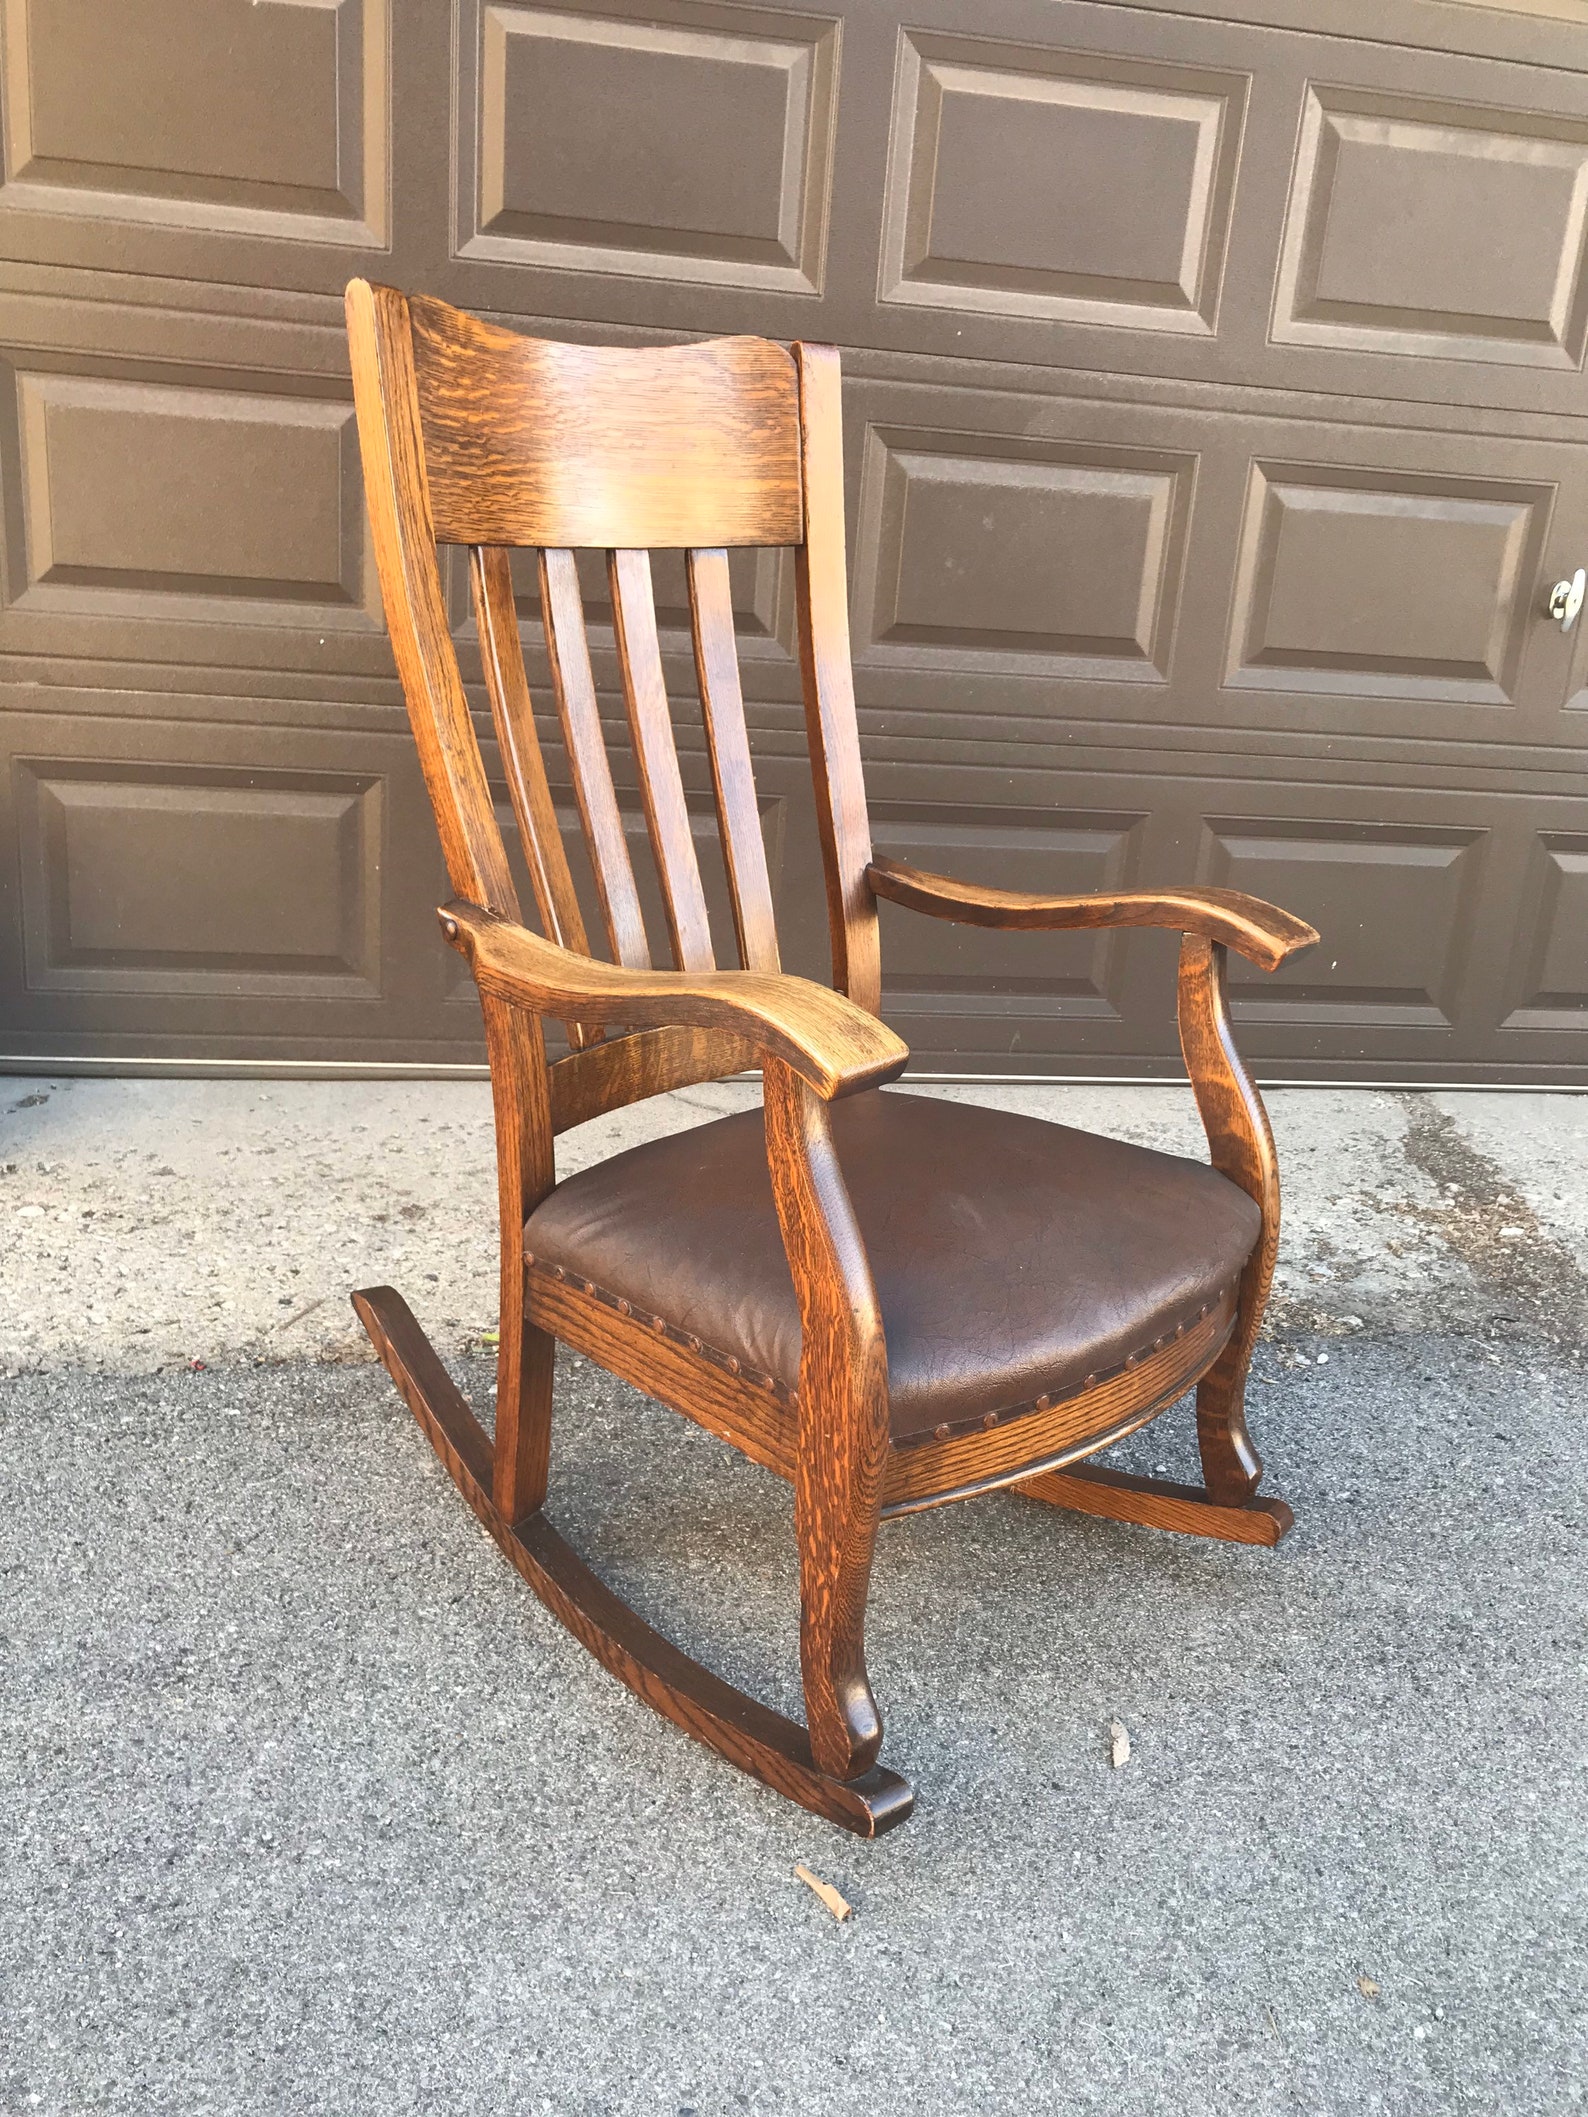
[(891, 1301)]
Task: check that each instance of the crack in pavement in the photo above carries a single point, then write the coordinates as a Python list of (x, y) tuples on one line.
[(1526, 1279)]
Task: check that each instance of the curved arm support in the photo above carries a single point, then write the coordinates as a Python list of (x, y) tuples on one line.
[(834, 1046), (1255, 929), (1241, 1147), (843, 1421)]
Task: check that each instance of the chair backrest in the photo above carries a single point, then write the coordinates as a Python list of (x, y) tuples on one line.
[(476, 436)]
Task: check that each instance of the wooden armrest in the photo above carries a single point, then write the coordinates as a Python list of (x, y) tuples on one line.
[(1257, 930), (833, 1045)]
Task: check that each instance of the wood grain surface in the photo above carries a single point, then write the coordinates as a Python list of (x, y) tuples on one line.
[(573, 686), (507, 687), (834, 1045), (1155, 1503), (1241, 1147), (656, 759), (827, 673), (628, 1069), (525, 1174), (386, 402), (843, 1421), (750, 1411), (758, 1740), (728, 747), (1258, 930), (933, 1471), (536, 442)]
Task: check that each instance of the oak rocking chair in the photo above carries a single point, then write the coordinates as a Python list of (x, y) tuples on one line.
[(891, 1301)]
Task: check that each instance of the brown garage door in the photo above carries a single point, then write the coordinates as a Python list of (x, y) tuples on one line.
[(1217, 428)]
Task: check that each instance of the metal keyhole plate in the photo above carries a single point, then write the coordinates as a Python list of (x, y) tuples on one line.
[(1565, 599)]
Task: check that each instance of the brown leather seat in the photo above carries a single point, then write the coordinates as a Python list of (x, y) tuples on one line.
[(1013, 1259)]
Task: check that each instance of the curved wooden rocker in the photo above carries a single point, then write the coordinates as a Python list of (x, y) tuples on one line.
[(774, 1749), (785, 1280)]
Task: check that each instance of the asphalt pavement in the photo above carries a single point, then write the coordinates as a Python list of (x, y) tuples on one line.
[(307, 1806), (311, 1808)]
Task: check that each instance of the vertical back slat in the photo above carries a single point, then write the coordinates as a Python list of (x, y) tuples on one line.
[(728, 744), (507, 685), (656, 758), (573, 682), (823, 597), (502, 654)]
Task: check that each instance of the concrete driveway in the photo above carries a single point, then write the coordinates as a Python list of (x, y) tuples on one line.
[(310, 1807)]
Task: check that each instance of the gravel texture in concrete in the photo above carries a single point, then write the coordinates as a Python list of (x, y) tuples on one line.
[(149, 1223), (311, 1808)]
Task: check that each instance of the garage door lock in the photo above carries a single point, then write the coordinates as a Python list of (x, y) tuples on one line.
[(1565, 599)]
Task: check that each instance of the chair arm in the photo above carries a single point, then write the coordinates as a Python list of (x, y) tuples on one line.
[(1255, 929), (833, 1045)]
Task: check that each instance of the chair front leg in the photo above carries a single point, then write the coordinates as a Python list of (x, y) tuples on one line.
[(520, 1098), (1242, 1148), (843, 1422)]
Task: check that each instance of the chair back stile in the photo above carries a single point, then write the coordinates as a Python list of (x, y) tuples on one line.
[(832, 724), (396, 479), (494, 441)]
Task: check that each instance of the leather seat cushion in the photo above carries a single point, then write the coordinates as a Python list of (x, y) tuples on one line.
[(1013, 1259)]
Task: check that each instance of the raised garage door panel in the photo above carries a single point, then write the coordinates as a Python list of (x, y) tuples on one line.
[(718, 173), (1160, 146), (1266, 574), (184, 135), (1391, 234), (1404, 971), (129, 491), (1548, 985), (214, 890), (1215, 427)]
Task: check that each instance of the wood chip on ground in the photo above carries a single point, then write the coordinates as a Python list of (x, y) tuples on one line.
[(840, 1908)]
